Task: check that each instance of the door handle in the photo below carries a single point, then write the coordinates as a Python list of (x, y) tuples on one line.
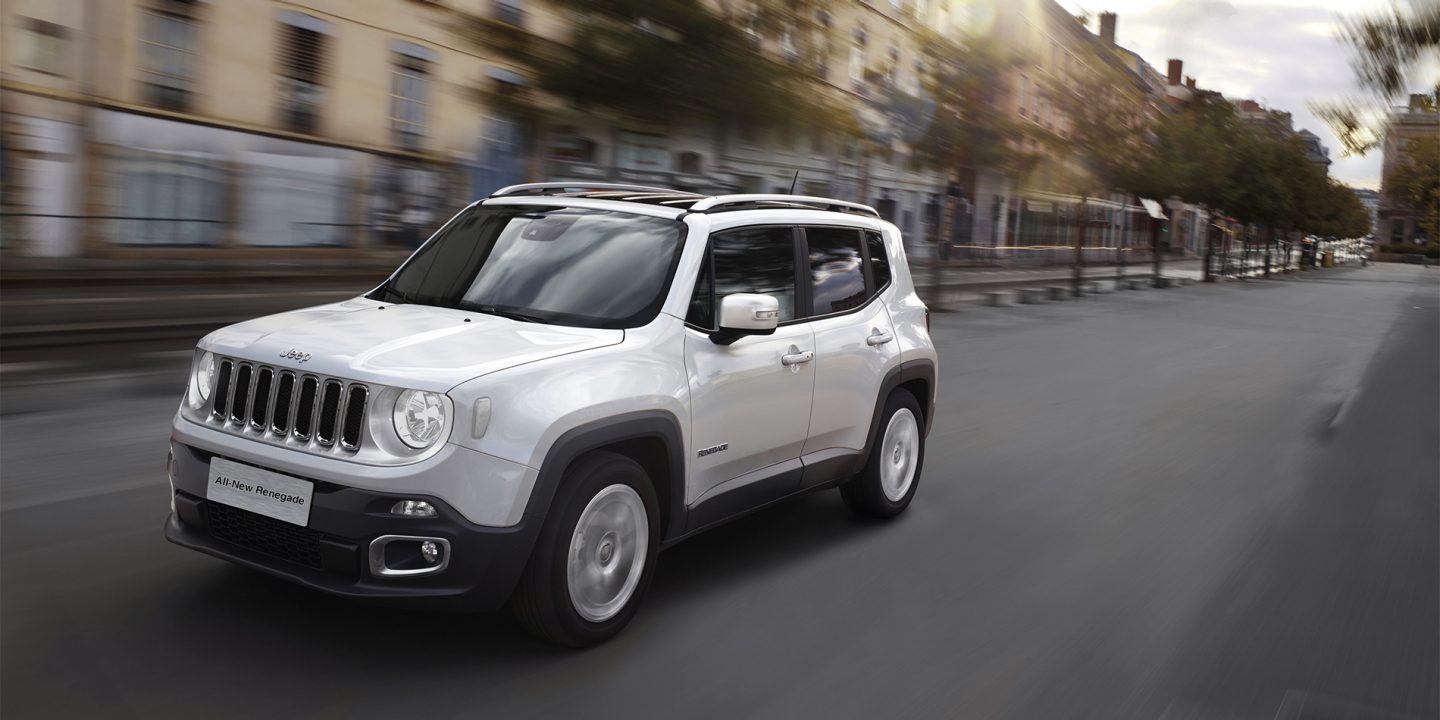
[(879, 338), (797, 358)]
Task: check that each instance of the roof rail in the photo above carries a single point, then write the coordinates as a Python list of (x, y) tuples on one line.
[(557, 188), (760, 202)]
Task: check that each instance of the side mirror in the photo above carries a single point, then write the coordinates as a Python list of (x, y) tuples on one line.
[(744, 314)]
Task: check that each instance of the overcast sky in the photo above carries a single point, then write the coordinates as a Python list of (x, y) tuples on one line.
[(1283, 53)]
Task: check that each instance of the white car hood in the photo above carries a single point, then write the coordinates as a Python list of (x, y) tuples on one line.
[(414, 346)]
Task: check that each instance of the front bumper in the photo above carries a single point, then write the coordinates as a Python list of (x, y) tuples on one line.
[(332, 552)]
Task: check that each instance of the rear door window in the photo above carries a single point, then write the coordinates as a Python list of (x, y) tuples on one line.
[(837, 274)]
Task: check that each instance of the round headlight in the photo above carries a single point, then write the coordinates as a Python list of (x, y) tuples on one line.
[(205, 376), (419, 418)]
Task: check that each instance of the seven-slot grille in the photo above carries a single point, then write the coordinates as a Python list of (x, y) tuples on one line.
[(283, 404)]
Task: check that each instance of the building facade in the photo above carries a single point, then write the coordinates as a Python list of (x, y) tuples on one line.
[(207, 128), (180, 129), (1396, 221)]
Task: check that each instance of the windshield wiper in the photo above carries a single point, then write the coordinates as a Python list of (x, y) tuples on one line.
[(505, 313), (389, 288)]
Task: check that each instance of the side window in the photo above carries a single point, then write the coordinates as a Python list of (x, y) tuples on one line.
[(879, 260), (837, 277), (750, 260)]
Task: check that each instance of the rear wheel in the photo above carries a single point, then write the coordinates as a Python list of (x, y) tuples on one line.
[(886, 484), (594, 556)]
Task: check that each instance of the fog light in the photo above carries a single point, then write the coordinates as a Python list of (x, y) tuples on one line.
[(430, 551), (413, 508)]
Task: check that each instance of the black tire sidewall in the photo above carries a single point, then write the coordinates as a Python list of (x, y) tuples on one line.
[(583, 481), (866, 492)]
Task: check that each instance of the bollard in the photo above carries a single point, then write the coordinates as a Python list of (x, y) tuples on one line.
[(1057, 293), (1029, 296), (1162, 282), (1138, 284), (997, 298)]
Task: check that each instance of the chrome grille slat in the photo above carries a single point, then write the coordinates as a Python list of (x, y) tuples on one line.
[(329, 415), (305, 408), (262, 399), (320, 414), (240, 399), (280, 422), (220, 403), (352, 416)]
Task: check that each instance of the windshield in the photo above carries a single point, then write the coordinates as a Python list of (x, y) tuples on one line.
[(568, 266)]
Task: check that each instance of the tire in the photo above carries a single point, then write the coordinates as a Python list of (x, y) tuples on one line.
[(597, 605), (885, 486)]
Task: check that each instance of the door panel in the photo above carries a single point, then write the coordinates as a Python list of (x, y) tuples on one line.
[(853, 347), (745, 399), (848, 372)]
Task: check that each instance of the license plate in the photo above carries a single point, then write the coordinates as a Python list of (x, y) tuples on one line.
[(260, 491)]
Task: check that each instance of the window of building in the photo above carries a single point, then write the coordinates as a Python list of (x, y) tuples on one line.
[(837, 277), (169, 73), (857, 65), (818, 144), (46, 49), (410, 93), (167, 198), (643, 151), (1022, 89), (690, 163), (510, 12), (567, 146), (301, 67)]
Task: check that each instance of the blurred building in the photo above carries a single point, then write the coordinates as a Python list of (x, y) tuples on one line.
[(1397, 221), (1315, 151), (870, 51), (207, 128), (1370, 200), (1059, 51), (348, 129)]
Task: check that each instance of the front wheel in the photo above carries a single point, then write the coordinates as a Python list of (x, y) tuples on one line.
[(886, 484), (594, 556)]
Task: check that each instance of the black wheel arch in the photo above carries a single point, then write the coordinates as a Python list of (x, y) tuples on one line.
[(916, 377), (652, 438)]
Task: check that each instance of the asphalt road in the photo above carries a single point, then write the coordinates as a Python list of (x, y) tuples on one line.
[(1206, 502)]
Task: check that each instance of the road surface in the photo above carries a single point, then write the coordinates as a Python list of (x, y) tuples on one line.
[(1217, 501)]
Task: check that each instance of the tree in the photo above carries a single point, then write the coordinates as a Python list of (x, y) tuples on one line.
[(1389, 51), (968, 130), (1104, 129), (666, 62), (1415, 181), (1193, 155)]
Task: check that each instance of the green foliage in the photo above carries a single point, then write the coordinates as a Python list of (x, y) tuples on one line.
[(1107, 136), (1389, 50), (968, 130), (666, 62), (1194, 152), (1415, 182)]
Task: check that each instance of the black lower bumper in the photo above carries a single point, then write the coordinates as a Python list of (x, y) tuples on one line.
[(331, 553)]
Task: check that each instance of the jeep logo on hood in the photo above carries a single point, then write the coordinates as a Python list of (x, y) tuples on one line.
[(296, 355)]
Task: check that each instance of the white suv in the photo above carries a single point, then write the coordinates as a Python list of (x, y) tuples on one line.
[(562, 381)]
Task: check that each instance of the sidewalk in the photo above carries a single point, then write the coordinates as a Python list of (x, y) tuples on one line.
[(130, 311)]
